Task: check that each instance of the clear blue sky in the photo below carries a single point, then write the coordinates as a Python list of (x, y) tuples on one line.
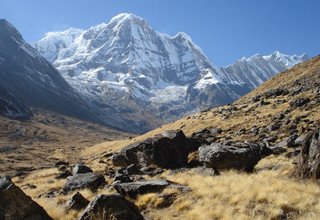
[(225, 29)]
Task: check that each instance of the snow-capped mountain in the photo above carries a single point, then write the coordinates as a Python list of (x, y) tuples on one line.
[(126, 65)]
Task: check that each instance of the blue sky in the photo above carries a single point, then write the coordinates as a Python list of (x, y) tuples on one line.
[(226, 30)]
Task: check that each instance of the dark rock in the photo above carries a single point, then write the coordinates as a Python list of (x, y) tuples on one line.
[(274, 127), (262, 103), (15, 204), (309, 159), (279, 116), (241, 156), (122, 178), (275, 92), (299, 102), (203, 136), (151, 171), (85, 180), (133, 169), (169, 150), (141, 187), (276, 150), (81, 168), (111, 207), (291, 141), (270, 139), (77, 202), (61, 163), (63, 175)]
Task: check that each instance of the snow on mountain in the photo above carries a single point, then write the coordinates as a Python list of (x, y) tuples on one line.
[(126, 65)]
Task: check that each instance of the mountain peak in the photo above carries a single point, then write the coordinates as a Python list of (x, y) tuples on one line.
[(126, 18), (183, 35), (8, 30)]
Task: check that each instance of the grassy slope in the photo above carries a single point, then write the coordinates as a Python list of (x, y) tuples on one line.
[(45, 139), (269, 192)]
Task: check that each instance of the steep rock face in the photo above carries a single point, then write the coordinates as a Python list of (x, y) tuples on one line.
[(126, 65), (12, 107), (31, 79)]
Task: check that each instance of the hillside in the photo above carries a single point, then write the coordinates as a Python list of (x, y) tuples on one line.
[(45, 139), (302, 81), (286, 105)]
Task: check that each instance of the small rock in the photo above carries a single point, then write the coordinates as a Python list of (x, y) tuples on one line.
[(84, 180), (111, 207), (81, 168), (77, 202), (63, 175), (141, 187)]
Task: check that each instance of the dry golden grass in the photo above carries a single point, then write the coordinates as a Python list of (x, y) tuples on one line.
[(264, 194), (268, 193)]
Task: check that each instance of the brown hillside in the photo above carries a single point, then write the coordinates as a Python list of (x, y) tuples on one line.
[(287, 104)]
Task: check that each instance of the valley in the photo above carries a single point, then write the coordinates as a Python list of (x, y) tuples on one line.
[(120, 120)]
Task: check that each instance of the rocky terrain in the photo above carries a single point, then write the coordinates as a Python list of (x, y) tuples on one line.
[(256, 158), (126, 69), (44, 139)]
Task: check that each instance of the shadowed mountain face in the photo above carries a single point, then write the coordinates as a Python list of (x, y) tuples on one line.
[(11, 107), (31, 79), (127, 65)]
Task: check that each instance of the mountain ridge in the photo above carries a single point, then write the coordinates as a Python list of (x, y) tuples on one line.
[(168, 77)]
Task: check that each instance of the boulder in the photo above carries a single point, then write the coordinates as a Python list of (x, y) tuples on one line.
[(141, 187), (240, 156), (77, 202), (168, 150), (111, 207), (85, 180), (309, 159), (81, 168), (15, 204)]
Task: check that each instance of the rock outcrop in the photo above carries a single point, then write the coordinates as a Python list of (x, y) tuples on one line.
[(309, 161), (240, 156), (15, 204), (168, 150)]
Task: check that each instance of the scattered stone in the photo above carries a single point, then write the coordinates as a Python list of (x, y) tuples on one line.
[(122, 178), (169, 150), (15, 204), (299, 102), (151, 171), (141, 187), (111, 207), (64, 175), (84, 180), (309, 160), (241, 156), (274, 127), (61, 163), (77, 202), (81, 168)]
